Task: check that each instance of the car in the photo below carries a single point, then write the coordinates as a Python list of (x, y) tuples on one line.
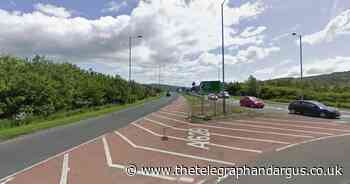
[(223, 95), (212, 96), (312, 108), (251, 102), (168, 94)]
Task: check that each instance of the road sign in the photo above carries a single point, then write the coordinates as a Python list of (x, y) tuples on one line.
[(207, 87)]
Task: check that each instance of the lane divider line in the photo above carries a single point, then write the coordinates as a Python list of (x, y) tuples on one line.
[(275, 128), (175, 111), (172, 114), (172, 153), (212, 144), (217, 134), (50, 158), (65, 169), (242, 130), (310, 141), (293, 125), (298, 121), (123, 167), (6, 180)]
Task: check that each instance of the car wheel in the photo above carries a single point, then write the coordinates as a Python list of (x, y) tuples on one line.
[(292, 111), (323, 115)]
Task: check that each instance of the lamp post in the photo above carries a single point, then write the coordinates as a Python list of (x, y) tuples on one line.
[(130, 46), (301, 60), (223, 57)]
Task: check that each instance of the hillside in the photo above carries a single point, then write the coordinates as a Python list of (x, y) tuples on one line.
[(340, 79)]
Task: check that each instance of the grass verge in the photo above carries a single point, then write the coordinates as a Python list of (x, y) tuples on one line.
[(59, 120), (212, 111)]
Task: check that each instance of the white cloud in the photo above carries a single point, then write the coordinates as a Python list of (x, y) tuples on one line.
[(113, 6), (175, 33), (52, 10), (315, 67), (254, 53), (340, 25), (252, 31)]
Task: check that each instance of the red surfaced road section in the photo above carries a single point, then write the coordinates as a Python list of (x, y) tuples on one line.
[(230, 131), (143, 138), (47, 173), (184, 131), (123, 153)]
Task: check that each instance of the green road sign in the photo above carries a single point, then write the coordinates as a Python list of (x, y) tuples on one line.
[(207, 87)]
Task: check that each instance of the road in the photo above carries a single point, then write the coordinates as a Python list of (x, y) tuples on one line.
[(325, 153), (276, 107), (166, 138), (25, 151), (165, 147)]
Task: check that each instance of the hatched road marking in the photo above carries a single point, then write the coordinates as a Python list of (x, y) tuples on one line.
[(186, 140), (238, 129), (123, 167), (275, 128), (173, 153), (294, 125), (221, 135)]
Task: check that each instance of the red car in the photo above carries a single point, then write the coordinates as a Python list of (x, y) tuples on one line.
[(252, 102)]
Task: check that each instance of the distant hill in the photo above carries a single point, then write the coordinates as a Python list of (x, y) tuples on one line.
[(165, 87), (340, 79)]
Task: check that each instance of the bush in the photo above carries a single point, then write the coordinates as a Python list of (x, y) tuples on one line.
[(39, 87)]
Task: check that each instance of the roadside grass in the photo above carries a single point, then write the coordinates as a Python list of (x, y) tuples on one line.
[(64, 118)]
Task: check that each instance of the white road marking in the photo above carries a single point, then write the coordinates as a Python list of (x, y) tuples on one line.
[(275, 128), (50, 158), (309, 141), (212, 144), (293, 125), (173, 153), (65, 169), (242, 130), (123, 167), (174, 111), (221, 135), (172, 114), (6, 180), (299, 121)]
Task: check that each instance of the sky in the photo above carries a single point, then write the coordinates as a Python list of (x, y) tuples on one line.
[(181, 39)]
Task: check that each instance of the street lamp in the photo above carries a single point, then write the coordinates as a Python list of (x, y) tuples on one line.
[(130, 46), (301, 60), (223, 57)]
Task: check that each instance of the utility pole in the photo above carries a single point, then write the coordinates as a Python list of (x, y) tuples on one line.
[(301, 61), (223, 57), (159, 68), (130, 58), (130, 54)]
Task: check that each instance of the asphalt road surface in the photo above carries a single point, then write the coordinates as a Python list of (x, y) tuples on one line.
[(276, 107), (325, 153), (25, 151)]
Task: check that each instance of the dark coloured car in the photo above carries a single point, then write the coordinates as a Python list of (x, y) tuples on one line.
[(251, 102), (168, 94), (312, 108)]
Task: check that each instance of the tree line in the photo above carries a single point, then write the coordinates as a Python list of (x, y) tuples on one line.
[(286, 90), (40, 87)]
